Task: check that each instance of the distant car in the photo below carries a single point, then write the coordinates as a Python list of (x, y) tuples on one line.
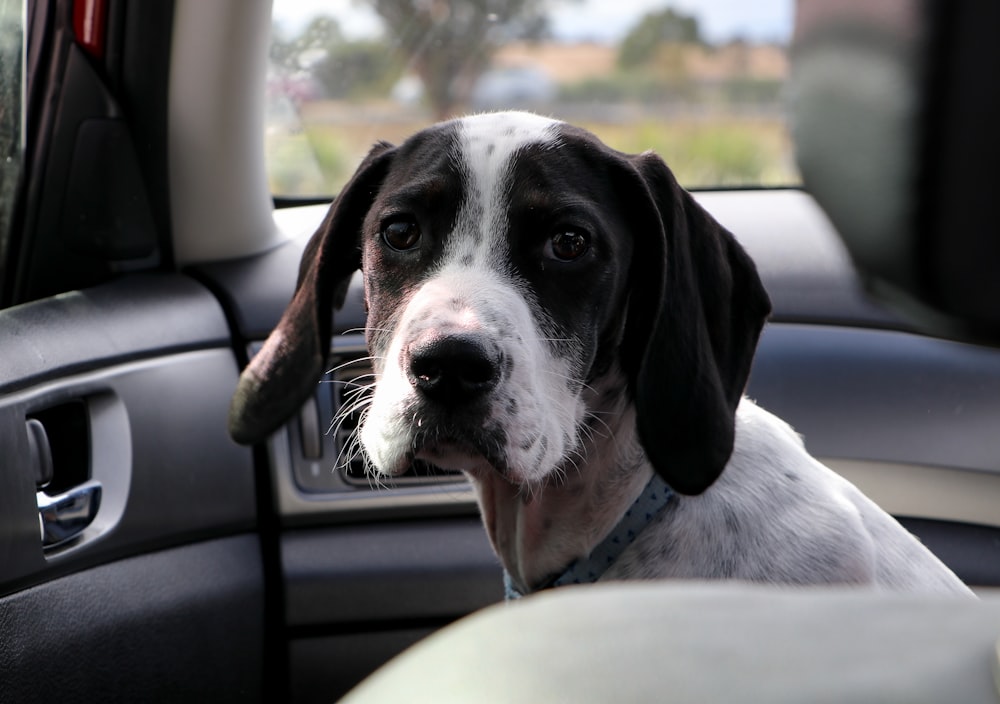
[(408, 91), (515, 86)]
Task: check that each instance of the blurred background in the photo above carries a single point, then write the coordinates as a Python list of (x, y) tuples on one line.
[(701, 82)]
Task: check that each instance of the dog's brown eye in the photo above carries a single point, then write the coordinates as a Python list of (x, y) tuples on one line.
[(401, 234), (567, 245)]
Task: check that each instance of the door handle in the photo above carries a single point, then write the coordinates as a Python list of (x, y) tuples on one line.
[(64, 516)]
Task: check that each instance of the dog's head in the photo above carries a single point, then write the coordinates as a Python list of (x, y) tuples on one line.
[(513, 266)]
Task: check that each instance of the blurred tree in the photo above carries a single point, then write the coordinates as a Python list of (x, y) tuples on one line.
[(291, 54), (342, 68), (449, 43), (358, 69), (643, 42)]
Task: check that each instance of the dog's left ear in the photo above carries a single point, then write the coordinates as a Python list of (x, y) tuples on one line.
[(695, 313), (280, 377)]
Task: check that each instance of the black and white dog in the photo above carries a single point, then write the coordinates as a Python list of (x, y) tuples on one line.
[(567, 326)]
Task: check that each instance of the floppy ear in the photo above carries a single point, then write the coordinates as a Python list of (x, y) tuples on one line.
[(280, 377), (695, 313)]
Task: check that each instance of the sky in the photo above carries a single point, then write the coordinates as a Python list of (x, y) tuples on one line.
[(575, 20)]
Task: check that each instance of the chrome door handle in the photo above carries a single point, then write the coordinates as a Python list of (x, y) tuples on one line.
[(64, 516)]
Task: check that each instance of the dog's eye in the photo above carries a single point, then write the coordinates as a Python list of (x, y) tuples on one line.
[(567, 245), (401, 235)]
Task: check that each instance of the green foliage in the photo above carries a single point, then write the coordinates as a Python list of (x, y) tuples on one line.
[(332, 155), (291, 169), (649, 87), (293, 54), (341, 68), (357, 70), (449, 43), (655, 29), (645, 87), (313, 162), (753, 91), (709, 153)]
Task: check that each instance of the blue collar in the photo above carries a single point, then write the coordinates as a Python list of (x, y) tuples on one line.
[(588, 569)]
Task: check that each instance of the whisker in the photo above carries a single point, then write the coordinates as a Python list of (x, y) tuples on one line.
[(603, 423), (354, 405), (578, 382), (358, 393), (352, 361), (389, 331), (358, 382), (352, 383), (352, 449), (345, 454)]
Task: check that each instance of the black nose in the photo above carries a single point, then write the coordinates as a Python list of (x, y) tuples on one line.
[(454, 369)]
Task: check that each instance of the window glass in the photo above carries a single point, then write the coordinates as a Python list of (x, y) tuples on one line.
[(699, 82), (11, 116)]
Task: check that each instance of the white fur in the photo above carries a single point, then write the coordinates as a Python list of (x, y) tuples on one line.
[(778, 515), (775, 514)]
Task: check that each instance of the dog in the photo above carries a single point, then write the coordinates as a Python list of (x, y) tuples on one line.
[(564, 324)]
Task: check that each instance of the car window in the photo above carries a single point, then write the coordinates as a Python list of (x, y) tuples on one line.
[(701, 83), (11, 115)]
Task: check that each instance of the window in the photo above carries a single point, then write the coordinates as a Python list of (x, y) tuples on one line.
[(11, 114), (701, 83)]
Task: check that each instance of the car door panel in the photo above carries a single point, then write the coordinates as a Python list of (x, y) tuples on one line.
[(164, 590), (180, 624), (418, 569), (358, 594)]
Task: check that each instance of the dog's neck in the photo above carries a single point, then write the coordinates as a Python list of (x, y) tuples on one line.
[(538, 531)]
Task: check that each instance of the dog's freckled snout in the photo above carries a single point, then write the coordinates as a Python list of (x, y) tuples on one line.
[(454, 369)]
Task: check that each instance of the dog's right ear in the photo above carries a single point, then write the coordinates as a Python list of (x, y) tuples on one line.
[(280, 377), (696, 310)]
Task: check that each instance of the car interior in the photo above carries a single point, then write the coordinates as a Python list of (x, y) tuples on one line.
[(144, 258)]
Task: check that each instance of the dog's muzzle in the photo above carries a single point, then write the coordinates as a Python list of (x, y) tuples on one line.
[(453, 377), (469, 382)]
